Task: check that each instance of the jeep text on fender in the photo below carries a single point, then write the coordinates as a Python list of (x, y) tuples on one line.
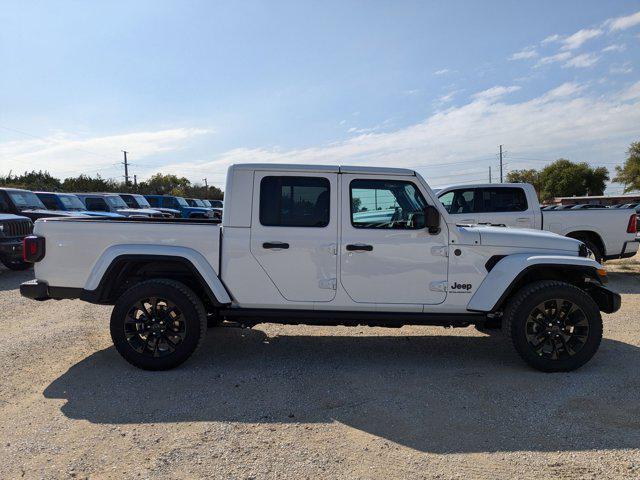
[(323, 245)]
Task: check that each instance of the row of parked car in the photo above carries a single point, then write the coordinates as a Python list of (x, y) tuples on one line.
[(586, 206), (19, 208)]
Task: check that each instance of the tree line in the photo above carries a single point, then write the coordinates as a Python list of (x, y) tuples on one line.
[(564, 178), (157, 184)]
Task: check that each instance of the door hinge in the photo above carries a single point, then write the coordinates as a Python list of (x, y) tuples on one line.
[(328, 283), (441, 250), (440, 286), (333, 249)]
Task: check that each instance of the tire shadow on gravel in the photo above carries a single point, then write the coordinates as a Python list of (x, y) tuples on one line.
[(432, 393), (11, 279)]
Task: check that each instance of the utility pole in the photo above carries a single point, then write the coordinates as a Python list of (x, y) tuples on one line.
[(126, 168), (489, 173), (135, 182), (205, 183), (500, 163)]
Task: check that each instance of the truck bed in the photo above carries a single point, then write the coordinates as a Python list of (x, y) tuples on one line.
[(86, 246)]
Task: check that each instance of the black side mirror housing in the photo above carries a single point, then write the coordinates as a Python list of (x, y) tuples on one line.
[(432, 219)]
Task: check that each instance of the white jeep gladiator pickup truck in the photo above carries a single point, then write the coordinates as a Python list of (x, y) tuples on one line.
[(608, 233), (296, 246)]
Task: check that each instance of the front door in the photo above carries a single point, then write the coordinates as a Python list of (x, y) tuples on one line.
[(386, 254), (294, 233)]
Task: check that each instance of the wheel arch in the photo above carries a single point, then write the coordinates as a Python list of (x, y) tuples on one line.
[(118, 269), (514, 271), (590, 235)]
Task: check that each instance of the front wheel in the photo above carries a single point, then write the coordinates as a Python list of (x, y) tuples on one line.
[(158, 324), (554, 326)]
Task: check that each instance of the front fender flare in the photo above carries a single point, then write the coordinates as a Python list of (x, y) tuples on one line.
[(499, 282), (195, 258)]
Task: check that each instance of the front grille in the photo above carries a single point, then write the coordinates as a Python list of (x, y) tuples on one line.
[(17, 228)]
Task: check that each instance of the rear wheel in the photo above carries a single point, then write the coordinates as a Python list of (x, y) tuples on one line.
[(597, 253), (554, 326), (158, 324), (16, 264)]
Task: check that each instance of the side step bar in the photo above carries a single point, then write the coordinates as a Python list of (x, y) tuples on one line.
[(253, 316)]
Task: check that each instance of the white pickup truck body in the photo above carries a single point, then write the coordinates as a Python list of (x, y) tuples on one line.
[(293, 248), (606, 231)]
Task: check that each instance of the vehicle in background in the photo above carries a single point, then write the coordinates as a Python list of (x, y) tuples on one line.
[(13, 229), (216, 203), (586, 206), (180, 204), (69, 202), (111, 202), (607, 233), (217, 211), (294, 251), (27, 204), (138, 202)]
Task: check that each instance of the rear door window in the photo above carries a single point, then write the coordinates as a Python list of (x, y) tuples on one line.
[(294, 201), (501, 200)]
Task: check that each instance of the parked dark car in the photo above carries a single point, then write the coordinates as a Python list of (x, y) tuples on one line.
[(27, 204), (137, 201), (216, 203), (179, 203), (13, 229), (68, 202)]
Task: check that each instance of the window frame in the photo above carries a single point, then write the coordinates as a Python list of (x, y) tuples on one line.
[(323, 179), (362, 227)]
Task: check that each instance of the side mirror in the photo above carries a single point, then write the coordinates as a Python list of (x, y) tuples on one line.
[(432, 219)]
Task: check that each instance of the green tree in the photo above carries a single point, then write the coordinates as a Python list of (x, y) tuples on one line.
[(32, 181), (165, 184), (531, 176), (85, 183), (629, 173), (564, 178)]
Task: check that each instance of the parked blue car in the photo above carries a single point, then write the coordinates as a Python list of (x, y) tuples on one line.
[(68, 202), (179, 203)]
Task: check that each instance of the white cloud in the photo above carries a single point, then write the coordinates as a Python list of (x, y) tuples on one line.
[(622, 69), (622, 23), (582, 61), (615, 48), (444, 71), (558, 57), (525, 53), (66, 155), (551, 38), (577, 39), (495, 92), (566, 121)]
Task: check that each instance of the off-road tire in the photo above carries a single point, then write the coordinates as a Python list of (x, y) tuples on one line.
[(16, 265), (190, 307), (525, 301)]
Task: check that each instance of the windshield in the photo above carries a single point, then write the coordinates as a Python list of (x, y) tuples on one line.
[(115, 201), (198, 203), (71, 202), (207, 203), (25, 200), (182, 202), (142, 202)]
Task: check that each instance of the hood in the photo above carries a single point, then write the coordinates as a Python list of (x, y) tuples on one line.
[(200, 209), (40, 213), (100, 214), (524, 237), (137, 211)]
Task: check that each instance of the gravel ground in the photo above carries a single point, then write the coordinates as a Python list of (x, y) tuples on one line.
[(311, 402)]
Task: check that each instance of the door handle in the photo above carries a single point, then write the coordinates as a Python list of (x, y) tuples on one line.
[(468, 220), (359, 247), (275, 245), (522, 219)]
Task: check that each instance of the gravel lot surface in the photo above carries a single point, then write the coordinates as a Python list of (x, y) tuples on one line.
[(310, 402)]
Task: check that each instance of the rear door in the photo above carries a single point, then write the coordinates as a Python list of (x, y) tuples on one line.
[(294, 231)]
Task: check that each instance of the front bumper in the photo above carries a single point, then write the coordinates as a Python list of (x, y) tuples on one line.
[(11, 248)]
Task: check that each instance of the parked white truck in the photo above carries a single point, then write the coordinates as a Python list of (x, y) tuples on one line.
[(608, 233), (295, 247)]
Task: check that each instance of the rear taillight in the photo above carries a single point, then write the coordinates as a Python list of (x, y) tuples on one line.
[(33, 248), (632, 227)]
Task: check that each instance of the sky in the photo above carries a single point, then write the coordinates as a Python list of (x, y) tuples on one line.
[(191, 87)]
